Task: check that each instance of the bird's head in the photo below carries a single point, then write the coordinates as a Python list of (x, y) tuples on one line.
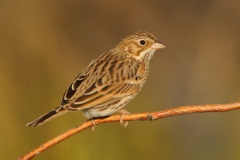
[(140, 45)]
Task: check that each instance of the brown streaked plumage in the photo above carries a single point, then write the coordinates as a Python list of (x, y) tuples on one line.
[(110, 81)]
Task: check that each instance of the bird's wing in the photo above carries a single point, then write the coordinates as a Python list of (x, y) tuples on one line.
[(73, 88), (103, 94), (97, 86)]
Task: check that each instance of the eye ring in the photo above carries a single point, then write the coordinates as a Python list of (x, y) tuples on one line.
[(142, 42)]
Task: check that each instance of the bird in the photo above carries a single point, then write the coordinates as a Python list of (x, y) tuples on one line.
[(110, 81)]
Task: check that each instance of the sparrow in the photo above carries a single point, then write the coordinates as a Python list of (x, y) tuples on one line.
[(110, 81)]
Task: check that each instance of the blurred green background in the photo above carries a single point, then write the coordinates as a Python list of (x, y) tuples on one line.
[(45, 44)]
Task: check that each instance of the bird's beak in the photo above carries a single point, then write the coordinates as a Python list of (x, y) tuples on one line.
[(157, 45)]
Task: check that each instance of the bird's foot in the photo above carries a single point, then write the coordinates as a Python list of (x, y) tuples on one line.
[(123, 112)]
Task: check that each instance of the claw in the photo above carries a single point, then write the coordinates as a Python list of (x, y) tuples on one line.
[(123, 111), (93, 123), (124, 124)]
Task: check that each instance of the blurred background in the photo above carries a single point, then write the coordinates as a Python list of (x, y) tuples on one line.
[(44, 45)]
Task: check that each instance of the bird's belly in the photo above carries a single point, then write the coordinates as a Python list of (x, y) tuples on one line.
[(107, 110)]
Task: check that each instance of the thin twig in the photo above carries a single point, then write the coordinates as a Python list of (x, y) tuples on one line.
[(133, 117)]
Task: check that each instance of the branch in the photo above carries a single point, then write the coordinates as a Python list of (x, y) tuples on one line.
[(133, 117)]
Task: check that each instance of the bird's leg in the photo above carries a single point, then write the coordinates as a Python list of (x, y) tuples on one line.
[(93, 123), (123, 112)]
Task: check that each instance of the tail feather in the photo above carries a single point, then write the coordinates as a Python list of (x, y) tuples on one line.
[(47, 116)]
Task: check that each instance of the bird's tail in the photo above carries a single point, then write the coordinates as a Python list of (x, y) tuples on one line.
[(47, 116)]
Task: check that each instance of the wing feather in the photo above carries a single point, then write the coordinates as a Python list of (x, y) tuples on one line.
[(104, 95), (98, 85)]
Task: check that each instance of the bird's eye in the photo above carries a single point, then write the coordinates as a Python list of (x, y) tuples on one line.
[(142, 42)]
